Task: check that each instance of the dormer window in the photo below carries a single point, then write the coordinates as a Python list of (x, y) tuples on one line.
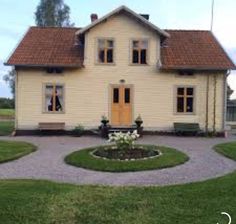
[(139, 52), (105, 51)]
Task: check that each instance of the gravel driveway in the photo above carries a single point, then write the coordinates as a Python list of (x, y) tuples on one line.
[(47, 162)]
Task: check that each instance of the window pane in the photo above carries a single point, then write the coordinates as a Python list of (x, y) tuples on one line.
[(135, 44), (143, 56), (135, 56), (115, 95), (101, 44), (59, 90), (180, 104), (48, 104), (59, 103), (190, 91), (110, 56), (190, 104), (110, 43), (101, 56), (49, 89), (180, 91), (48, 97), (144, 44), (127, 95), (58, 98)]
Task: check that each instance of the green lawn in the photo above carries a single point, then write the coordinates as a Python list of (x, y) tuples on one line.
[(227, 149), (7, 112), (35, 202), (6, 127), (169, 158), (11, 150)]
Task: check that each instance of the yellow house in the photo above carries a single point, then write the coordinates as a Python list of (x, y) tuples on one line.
[(120, 66)]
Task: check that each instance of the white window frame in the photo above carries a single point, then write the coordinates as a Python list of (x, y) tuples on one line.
[(176, 100), (44, 98)]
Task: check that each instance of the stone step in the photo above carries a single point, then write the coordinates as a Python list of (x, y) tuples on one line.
[(122, 129)]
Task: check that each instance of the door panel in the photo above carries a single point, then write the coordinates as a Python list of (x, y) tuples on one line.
[(115, 106), (121, 109)]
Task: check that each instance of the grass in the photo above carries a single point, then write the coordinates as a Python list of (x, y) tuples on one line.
[(227, 149), (35, 202), (7, 112), (169, 158), (6, 127), (14, 150)]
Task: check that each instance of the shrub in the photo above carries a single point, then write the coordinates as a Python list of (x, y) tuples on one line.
[(124, 141), (79, 130)]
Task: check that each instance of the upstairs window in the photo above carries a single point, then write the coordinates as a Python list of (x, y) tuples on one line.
[(105, 51), (185, 100), (54, 98), (139, 52)]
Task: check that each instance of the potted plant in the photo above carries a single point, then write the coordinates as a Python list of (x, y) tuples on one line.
[(78, 130), (138, 121), (104, 120)]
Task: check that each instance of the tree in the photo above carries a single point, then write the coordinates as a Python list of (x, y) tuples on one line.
[(10, 79), (53, 13), (229, 92)]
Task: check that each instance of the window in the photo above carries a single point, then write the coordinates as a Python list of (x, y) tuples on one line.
[(185, 100), (127, 95), (105, 51), (139, 51), (115, 95), (54, 98)]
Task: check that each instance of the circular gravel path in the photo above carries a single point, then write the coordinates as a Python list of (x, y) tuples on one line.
[(48, 162)]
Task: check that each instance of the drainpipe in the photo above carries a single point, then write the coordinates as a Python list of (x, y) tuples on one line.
[(225, 100), (207, 102), (16, 100), (214, 105)]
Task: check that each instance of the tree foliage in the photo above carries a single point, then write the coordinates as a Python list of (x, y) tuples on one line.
[(6, 103), (53, 13), (10, 79)]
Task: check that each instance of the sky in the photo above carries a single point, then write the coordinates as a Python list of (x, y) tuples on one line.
[(16, 16)]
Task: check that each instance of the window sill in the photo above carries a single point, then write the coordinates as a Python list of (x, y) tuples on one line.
[(132, 64), (106, 64), (185, 113), (63, 112)]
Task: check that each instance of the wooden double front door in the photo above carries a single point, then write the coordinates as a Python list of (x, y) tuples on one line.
[(121, 105)]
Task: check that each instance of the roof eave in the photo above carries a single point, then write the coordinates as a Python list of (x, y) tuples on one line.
[(44, 66), (163, 68)]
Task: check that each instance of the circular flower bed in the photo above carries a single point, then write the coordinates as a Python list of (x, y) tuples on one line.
[(140, 157), (138, 152)]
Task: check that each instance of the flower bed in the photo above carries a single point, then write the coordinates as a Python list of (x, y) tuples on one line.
[(137, 152)]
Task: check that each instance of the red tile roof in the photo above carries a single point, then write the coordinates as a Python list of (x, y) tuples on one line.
[(191, 49), (183, 50), (48, 47)]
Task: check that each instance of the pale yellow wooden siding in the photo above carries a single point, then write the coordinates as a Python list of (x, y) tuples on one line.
[(87, 90)]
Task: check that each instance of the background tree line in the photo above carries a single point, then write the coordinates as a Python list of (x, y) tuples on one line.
[(6, 103)]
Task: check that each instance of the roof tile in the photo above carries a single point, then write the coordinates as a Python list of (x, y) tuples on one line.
[(47, 46), (194, 49)]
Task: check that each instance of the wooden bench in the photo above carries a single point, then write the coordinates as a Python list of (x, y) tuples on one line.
[(51, 126), (186, 128)]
